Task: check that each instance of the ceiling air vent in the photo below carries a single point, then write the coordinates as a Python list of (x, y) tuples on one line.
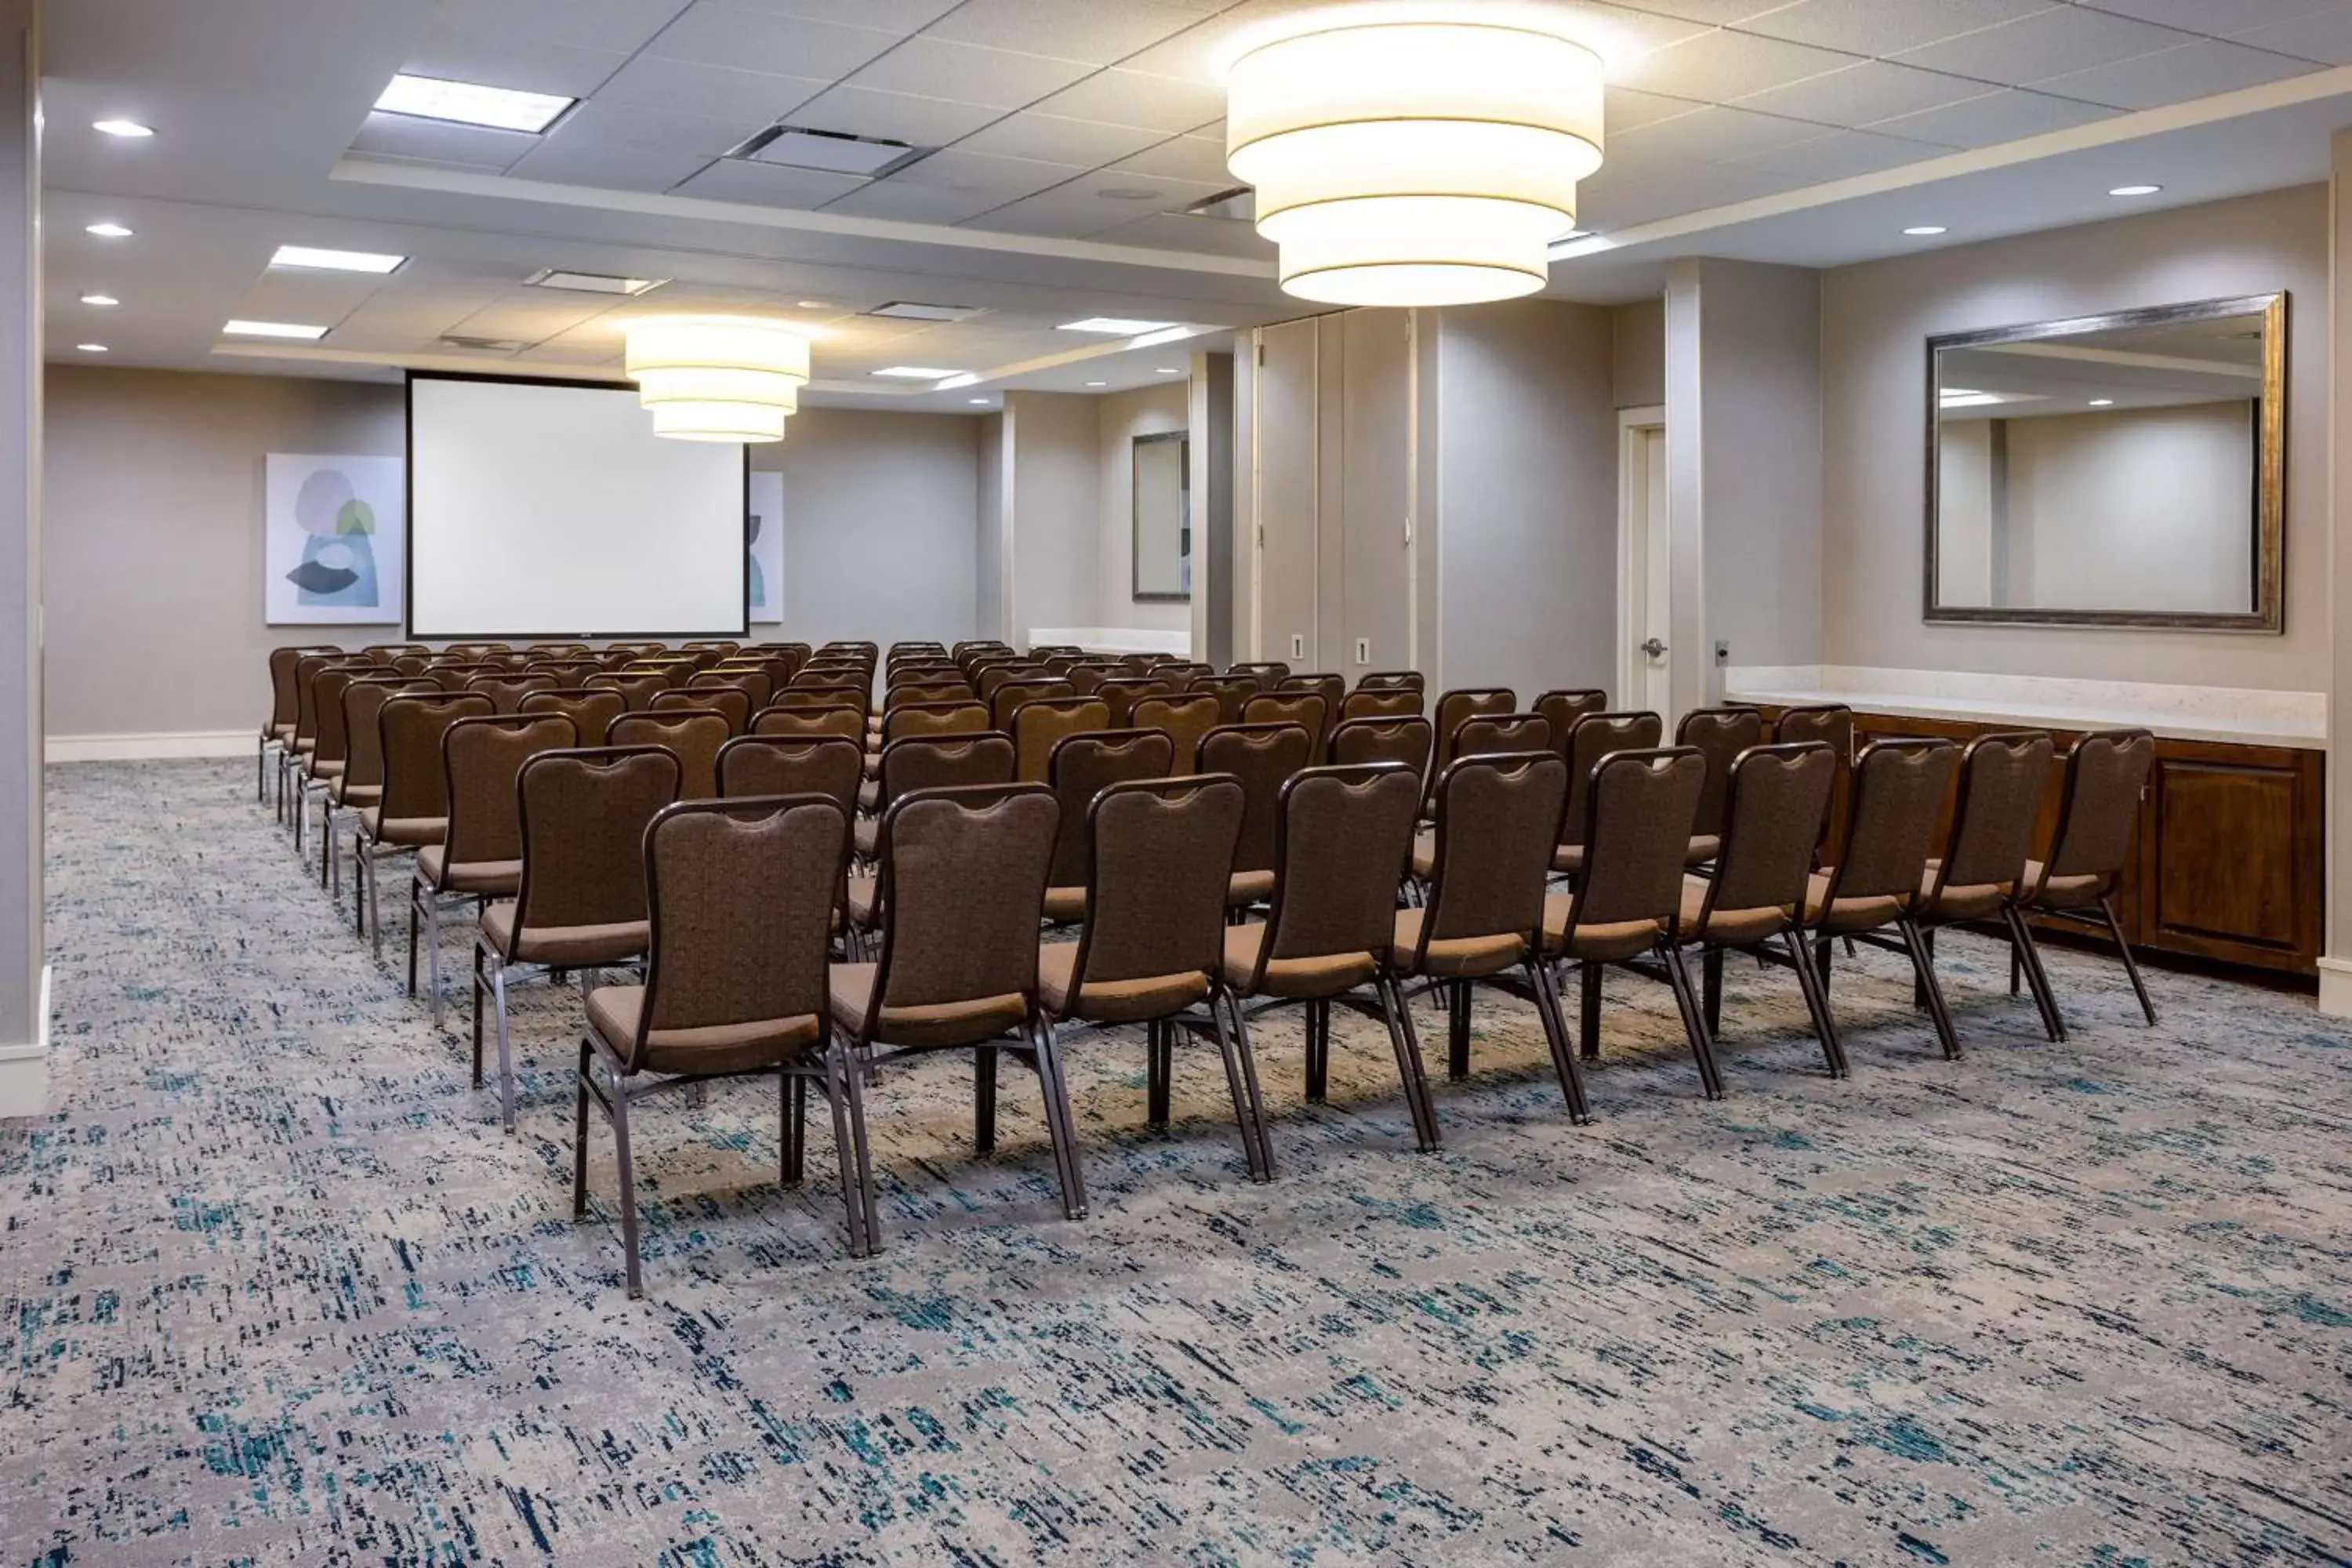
[(916, 310), (831, 151), (591, 282), (1240, 203), (483, 345)]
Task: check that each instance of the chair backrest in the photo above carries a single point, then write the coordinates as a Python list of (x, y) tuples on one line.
[(1186, 716), (506, 693), (711, 645), (2002, 781), (965, 715), (409, 730), (1497, 824), (944, 762), (1121, 694), (637, 691), (306, 670), (480, 760), (1011, 694), (1039, 726), (1304, 709), (929, 691), (822, 690), (583, 816), (364, 703), (962, 889), (1595, 738), (692, 734), (1405, 739), (1269, 672), (732, 701), (330, 740), (1777, 799), (1341, 843), (1231, 692), (1719, 734), (994, 677), (1332, 689), (846, 722), (564, 671), (592, 710), (1160, 853), (1264, 758), (754, 684), (1393, 680), (829, 765), (1899, 787), (1382, 702), (1083, 766), (1831, 724), (1464, 703), (285, 702), (2099, 805), (1490, 733), (1564, 706), (1639, 808)]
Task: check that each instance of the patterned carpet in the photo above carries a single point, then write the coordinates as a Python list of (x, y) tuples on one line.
[(277, 1290)]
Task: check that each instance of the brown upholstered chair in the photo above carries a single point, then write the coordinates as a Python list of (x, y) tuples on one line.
[(1038, 726), (733, 702), (1123, 692), (328, 754), (479, 856), (791, 764), (739, 898), (1775, 800), (1393, 680), (1638, 810), (721, 646), (294, 760), (846, 723), (413, 808), (1405, 739), (923, 762), (1332, 689), (1269, 673), (278, 733), (506, 693), (925, 692), (963, 883), (1981, 875), (1341, 844), (1564, 706), (995, 678), (1304, 709), (1591, 741), (1383, 702), (1486, 735), (965, 715), (1719, 734), (1011, 695), (637, 691), (1263, 757), (1082, 767), (2098, 818), (1231, 692), (361, 782), (579, 904), (1159, 854), (591, 708), (752, 683), (1185, 716), (1831, 724), (693, 734), (1453, 708), (1881, 871)]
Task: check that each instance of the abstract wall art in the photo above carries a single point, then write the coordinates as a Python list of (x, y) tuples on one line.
[(333, 530), (764, 538)]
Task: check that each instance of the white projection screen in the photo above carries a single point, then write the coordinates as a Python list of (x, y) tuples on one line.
[(552, 510)]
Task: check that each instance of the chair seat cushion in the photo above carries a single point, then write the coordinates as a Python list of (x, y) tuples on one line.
[(864, 891), (1456, 958), (2065, 892), (1978, 902), (1704, 848), (1729, 928), (869, 796), (1599, 944), (1111, 1001), (403, 832), (1424, 855), (571, 947), (327, 770), (1850, 914), (1568, 860), (1296, 978), (1248, 887), (344, 793), (938, 1024), (501, 878), (867, 837), (1065, 906), (872, 767), (614, 1012)]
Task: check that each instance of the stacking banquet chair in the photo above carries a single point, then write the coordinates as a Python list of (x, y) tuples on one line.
[(732, 701), (995, 678), (1304, 709), (1489, 734), (1405, 739), (1231, 692), (923, 762), (580, 903), (1268, 673), (277, 734), (754, 684), (1012, 695), (1083, 766), (1121, 693), (413, 808), (1881, 870), (1591, 741), (1497, 822), (1039, 727), (1382, 702), (294, 762), (362, 782), (1831, 724), (1159, 851), (1638, 810), (1262, 758), (692, 734), (810, 718), (1563, 708), (2098, 811), (592, 710), (1340, 846), (1981, 874), (1719, 734), (1184, 716), (1775, 800), (792, 764), (967, 716), (740, 895), (506, 693), (964, 884), (637, 691), (1393, 680), (1454, 709), (329, 751), (479, 856), (1332, 689)]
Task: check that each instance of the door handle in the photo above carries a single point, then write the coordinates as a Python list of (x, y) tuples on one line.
[(1654, 648)]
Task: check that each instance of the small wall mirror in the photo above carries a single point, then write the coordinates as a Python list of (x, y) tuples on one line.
[(2124, 470), (1163, 517)]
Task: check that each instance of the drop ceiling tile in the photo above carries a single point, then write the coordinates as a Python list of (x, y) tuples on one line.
[(1627, 108), (1196, 55), (985, 173), (916, 203), (426, 316), (1860, 94), (2195, 70), (1669, 189), (1886, 26), (404, 136), (714, 34), (1070, 213), (2228, 18), (968, 73), (617, 168), (621, 26), (765, 185), (1175, 231), (1715, 135), (899, 17), (1622, 32), (1996, 117), (1842, 154), (898, 116), (1132, 98), (600, 124), (1199, 158), (1095, 31), (2325, 36), (526, 65), (529, 321), (1714, 13), (1717, 66), (2067, 38), (719, 92), (1059, 140)]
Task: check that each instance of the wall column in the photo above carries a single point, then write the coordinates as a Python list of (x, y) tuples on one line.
[(2335, 954), (1210, 422), (23, 1000)]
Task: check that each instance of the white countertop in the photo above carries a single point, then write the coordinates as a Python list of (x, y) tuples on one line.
[(2250, 730)]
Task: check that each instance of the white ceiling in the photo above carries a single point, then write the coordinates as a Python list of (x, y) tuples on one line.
[(1070, 134)]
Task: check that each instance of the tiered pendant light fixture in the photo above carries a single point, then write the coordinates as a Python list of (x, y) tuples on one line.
[(717, 378), (1414, 154)]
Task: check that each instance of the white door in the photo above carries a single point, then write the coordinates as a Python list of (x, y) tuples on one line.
[(1644, 555)]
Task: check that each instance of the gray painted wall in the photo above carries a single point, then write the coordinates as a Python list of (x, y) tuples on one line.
[(1876, 318), (1053, 527), (988, 569), (1119, 418), (1638, 337)]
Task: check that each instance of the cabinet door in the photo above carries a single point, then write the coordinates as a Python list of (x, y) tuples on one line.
[(1288, 507), (2230, 853)]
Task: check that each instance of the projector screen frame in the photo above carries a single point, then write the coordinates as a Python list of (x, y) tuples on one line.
[(743, 627)]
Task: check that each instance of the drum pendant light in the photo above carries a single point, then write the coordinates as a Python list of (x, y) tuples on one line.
[(717, 378), (1414, 155)]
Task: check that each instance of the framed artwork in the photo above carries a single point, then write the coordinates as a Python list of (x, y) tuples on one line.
[(764, 538), (333, 530)]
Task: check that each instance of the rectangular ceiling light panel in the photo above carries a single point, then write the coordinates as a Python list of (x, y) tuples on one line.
[(471, 103), (916, 310), (591, 282), (315, 257), (242, 328), (831, 152), (1114, 326)]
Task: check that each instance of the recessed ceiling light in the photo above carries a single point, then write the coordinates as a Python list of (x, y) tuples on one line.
[(108, 231), (919, 373), (1172, 370), (1113, 326), (1925, 230), (814, 305), (335, 260), (91, 348), (100, 299), (273, 329), (828, 152), (981, 402), (471, 103), (130, 128), (1097, 384), (2135, 190), (2103, 403)]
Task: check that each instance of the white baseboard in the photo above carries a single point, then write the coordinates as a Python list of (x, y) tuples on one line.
[(1115, 639), (2336, 987), (148, 747), (25, 1067)]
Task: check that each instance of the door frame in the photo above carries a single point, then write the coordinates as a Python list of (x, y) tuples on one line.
[(1633, 673)]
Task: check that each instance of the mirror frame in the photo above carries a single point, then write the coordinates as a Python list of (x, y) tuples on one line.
[(1134, 508), (2270, 473)]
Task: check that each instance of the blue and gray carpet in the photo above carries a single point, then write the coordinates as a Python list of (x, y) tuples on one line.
[(277, 1290)]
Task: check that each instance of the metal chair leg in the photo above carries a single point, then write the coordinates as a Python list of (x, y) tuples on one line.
[(1457, 1031), (1159, 1071), (1408, 1054), (1319, 1056), (1711, 1077), (579, 1131), (1247, 1058), (1711, 983), (1923, 971), (2131, 964), (1817, 1003), (628, 1178), (1555, 1028), (1246, 1116), (2022, 948), (505, 1050), (793, 1088), (844, 1079), (1588, 1011), (429, 900), (983, 1100), (1059, 1125)]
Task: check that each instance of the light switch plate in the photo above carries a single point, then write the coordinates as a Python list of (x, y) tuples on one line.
[(1363, 650), (1298, 645)]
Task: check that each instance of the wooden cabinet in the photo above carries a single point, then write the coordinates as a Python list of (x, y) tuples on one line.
[(2228, 864)]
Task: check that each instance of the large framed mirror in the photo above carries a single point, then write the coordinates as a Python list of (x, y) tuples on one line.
[(2118, 470), (1163, 517)]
